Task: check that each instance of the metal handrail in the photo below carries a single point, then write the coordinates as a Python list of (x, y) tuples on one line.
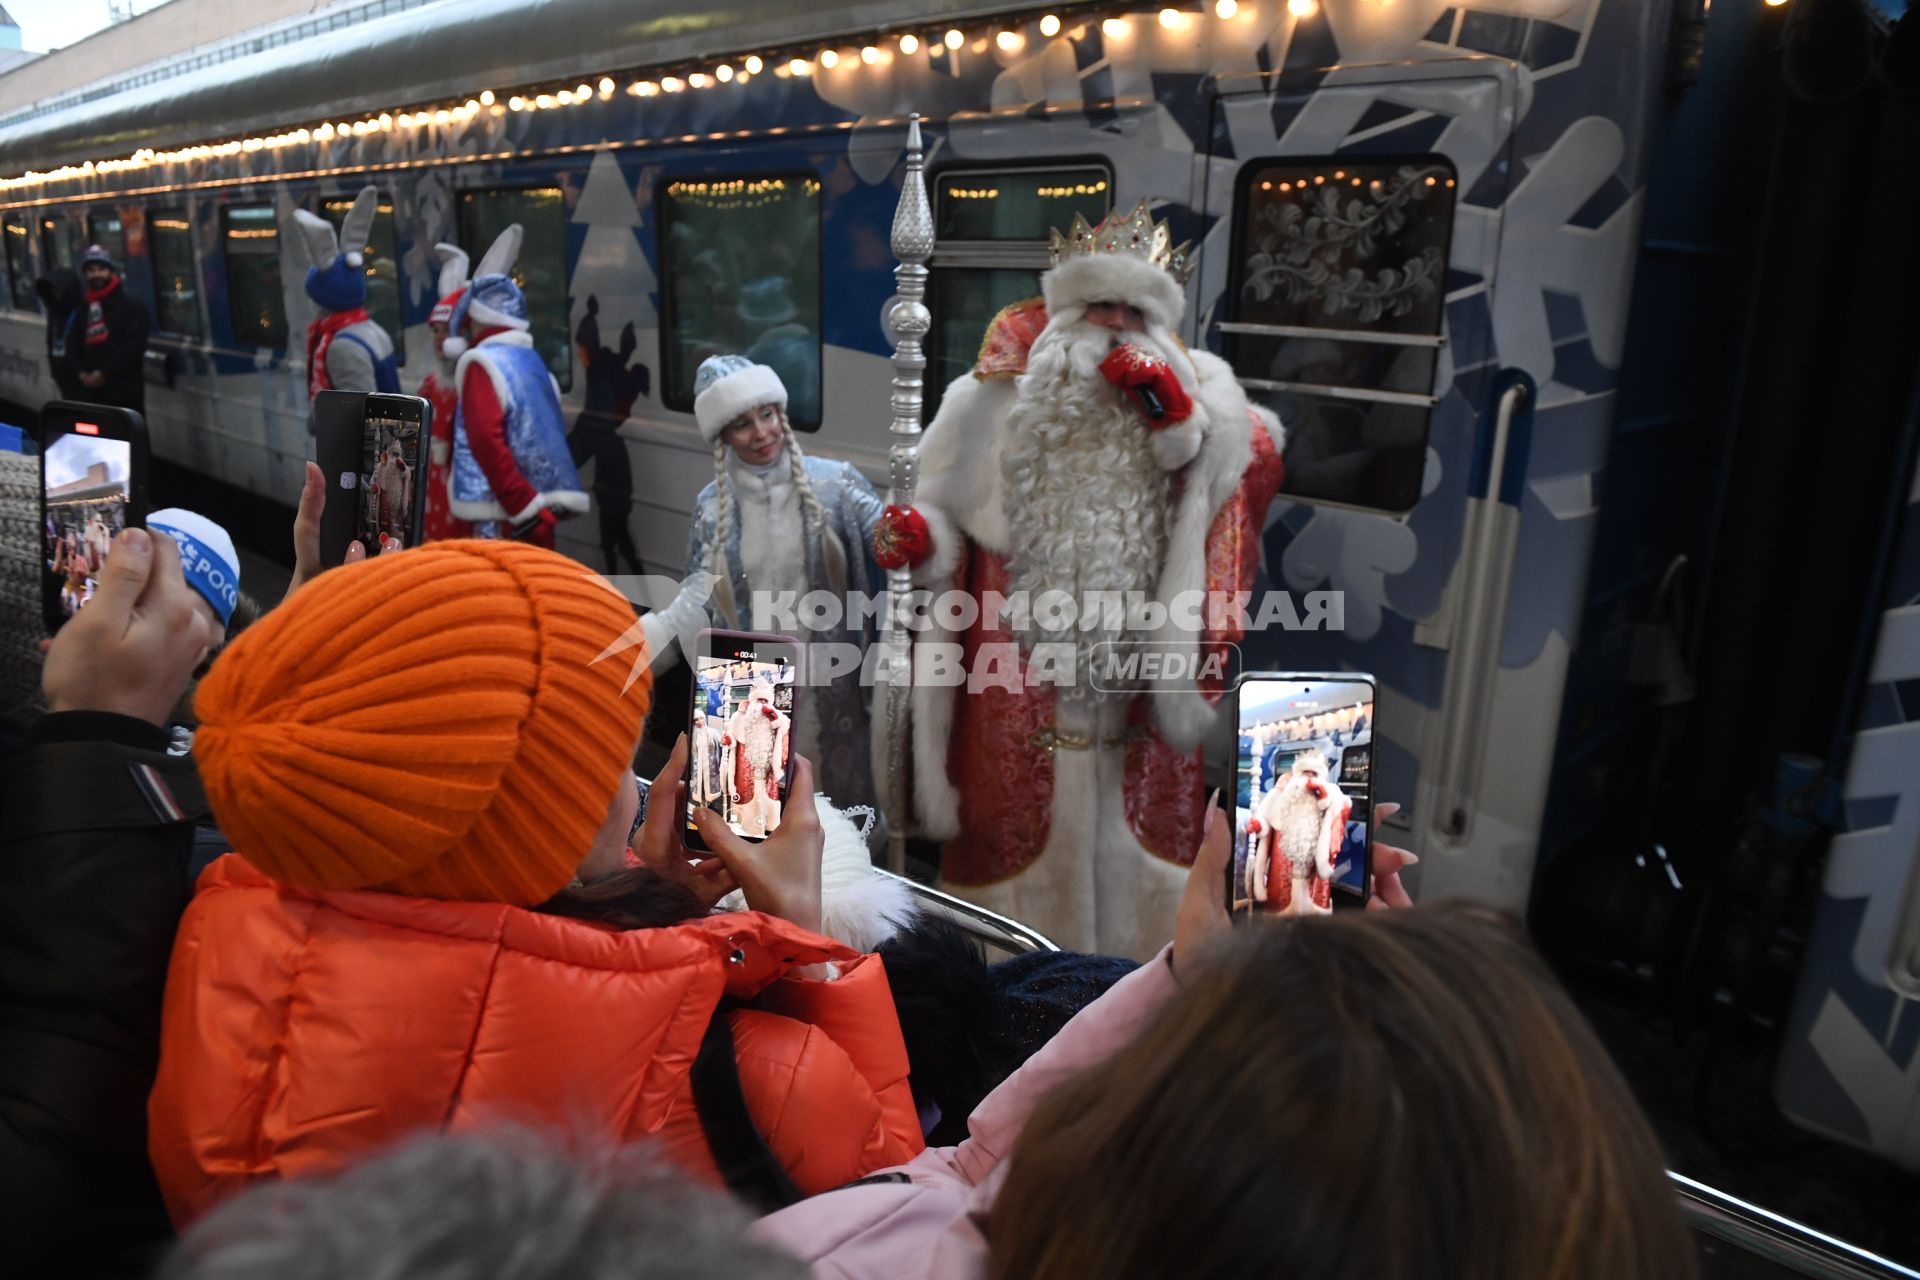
[(1780, 1240), (989, 926)]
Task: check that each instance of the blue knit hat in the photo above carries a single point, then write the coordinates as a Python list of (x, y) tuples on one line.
[(725, 387)]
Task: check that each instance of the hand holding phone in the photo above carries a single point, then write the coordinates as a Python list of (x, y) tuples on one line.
[(1302, 787), (780, 875), (740, 732), (371, 450)]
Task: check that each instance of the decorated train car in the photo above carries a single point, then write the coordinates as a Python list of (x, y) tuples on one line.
[(1417, 225)]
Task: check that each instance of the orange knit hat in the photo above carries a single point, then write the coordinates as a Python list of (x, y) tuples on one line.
[(432, 723)]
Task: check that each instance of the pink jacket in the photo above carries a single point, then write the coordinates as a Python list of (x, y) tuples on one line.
[(929, 1225)]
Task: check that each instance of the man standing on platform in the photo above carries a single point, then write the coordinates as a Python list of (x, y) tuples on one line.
[(1087, 452), (110, 346)]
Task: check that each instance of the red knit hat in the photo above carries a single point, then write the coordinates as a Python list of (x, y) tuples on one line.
[(434, 723)]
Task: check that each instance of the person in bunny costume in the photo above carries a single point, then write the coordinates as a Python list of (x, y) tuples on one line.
[(511, 463), (443, 393), (346, 349)]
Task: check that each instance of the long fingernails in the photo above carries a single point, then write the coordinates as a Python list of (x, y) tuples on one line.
[(1212, 815)]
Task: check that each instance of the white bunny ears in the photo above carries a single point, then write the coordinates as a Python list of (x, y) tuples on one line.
[(453, 268), (324, 248), (502, 253)]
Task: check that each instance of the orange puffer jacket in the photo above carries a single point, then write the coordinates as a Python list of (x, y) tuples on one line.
[(304, 1029)]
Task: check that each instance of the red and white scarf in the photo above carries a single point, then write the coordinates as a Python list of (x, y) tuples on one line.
[(96, 314), (319, 338)]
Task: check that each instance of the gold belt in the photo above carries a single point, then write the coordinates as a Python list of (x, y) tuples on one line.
[(1052, 739)]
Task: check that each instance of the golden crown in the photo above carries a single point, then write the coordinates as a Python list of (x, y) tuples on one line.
[(1135, 233)]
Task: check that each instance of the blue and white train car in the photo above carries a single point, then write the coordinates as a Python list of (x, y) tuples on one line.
[(1418, 226)]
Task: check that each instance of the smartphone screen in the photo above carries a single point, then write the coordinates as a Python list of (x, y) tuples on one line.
[(740, 731), (390, 474), (89, 476), (1303, 792)]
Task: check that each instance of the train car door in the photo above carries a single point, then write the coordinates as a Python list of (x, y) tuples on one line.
[(1426, 276)]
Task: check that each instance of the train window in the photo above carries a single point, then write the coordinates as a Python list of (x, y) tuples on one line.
[(1333, 312), (991, 249), (1018, 204), (19, 262), (105, 230), (56, 242), (541, 271), (742, 264), (382, 268), (255, 291), (176, 278)]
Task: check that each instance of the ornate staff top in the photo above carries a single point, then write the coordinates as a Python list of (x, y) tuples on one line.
[(908, 321)]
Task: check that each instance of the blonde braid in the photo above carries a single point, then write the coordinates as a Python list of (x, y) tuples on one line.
[(723, 511), (812, 516)]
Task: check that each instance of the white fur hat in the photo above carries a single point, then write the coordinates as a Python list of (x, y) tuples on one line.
[(1115, 277), (727, 386)]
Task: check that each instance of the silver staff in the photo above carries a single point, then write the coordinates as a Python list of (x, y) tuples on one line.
[(908, 321)]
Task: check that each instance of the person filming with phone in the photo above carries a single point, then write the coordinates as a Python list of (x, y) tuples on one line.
[(109, 345), (432, 917)]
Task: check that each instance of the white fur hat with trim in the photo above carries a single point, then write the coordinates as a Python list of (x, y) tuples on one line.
[(727, 386), (1115, 277)]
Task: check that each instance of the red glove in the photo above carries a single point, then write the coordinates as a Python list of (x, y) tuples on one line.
[(1317, 791), (901, 540), (544, 518), (1150, 378), (726, 739), (769, 713)]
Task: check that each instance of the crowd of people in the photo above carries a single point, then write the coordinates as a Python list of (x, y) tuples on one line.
[(340, 938)]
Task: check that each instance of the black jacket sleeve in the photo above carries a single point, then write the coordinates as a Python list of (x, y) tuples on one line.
[(98, 824), (127, 340)]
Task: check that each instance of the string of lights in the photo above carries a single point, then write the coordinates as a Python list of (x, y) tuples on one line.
[(1010, 36)]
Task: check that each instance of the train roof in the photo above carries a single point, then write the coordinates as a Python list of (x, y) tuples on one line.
[(436, 51)]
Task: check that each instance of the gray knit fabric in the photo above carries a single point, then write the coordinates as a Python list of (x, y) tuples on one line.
[(21, 628)]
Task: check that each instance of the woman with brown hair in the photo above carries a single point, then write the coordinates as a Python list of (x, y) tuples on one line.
[(1406, 1094)]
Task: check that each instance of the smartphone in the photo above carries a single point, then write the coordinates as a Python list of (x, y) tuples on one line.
[(740, 731), (93, 484), (372, 449), (1302, 790)]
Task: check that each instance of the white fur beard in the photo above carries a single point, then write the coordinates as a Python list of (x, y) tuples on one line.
[(1296, 826), (756, 736), (1087, 507)]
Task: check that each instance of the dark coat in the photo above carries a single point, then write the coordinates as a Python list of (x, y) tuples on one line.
[(93, 878), (121, 357), (60, 293)]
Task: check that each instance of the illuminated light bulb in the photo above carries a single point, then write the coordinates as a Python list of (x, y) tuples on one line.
[(1303, 8), (1010, 41), (1319, 179), (517, 103), (724, 72), (473, 106), (1225, 9), (954, 39), (671, 84), (386, 122), (441, 116), (909, 44), (564, 97), (1449, 182), (829, 58), (606, 84), (700, 80), (1266, 186), (486, 97), (1431, 181), (343, 128), (800, 67), (1172, 19), (1050, 26), (753, 64), (543, 101), (1775, 4), (582, 92), (1116, 28), (869, 55)]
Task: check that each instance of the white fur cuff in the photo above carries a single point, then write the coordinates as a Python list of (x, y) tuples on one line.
[(1173, 447), (944, 554)]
